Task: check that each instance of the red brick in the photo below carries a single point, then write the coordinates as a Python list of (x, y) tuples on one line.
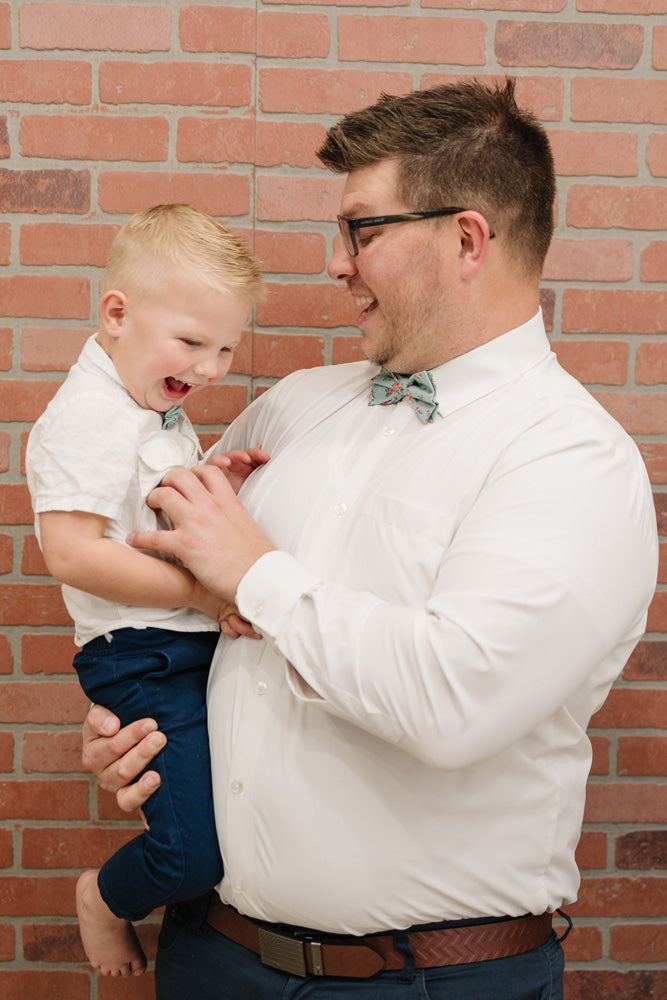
[(583, 943), (54, 296), (52, 943), (610, 100), (32, 604), (292, 36), (52, 753), (346, 349), (657, 612), (592, 850), (614, 985), (641, 850), (6, 752), (546, 43), (291, 143), (115, 27), (594, 361), (51, 348), (584, 153), (205, 28), (660, 501), (6, 341), (638, 943), (306, 305), (54, 984), (626, 802), (608, 206), (94, 137), (6, 850), (279, 354), (43, 702), (133, 987), (294, 253), (589, 260), (594, 310), (5, 148), (24, 399), (411, 39), (215, 140), (642, 755), (601, 755), (654, 454), (6, 553), (550, 6), (6, 658), (216, 85), (627, 707), (623, 6), (78, 847), (46, 81), (282, 199), (5, 26), (15, 505), (638, 414), (651, 367), (321, 91), (543, 95), (49, 799), (4, 451), (49, 895), (656, 154), (43, 191), (653, 261), (5, 243), (42, 653), (219, 404), (619, 897), (32, 560), (7, 946), (659, 53), (131, 191)]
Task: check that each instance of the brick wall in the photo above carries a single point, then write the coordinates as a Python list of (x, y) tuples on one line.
[(109, 107)]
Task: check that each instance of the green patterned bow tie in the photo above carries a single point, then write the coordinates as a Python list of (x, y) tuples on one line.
[(418, 389)]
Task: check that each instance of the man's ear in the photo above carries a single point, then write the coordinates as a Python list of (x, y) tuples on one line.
[(474, 234), (113, 311)]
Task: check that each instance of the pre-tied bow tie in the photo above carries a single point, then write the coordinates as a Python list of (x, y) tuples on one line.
[(418, 389), (170, 418)]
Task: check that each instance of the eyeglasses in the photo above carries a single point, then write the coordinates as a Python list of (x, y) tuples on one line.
[(349, 227)]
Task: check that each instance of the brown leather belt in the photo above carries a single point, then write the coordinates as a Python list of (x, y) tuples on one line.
[(360, 957)]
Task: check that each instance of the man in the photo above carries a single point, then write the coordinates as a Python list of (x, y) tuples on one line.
[(447, 588)]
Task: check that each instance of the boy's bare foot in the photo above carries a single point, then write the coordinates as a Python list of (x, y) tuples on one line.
[(110, 942)]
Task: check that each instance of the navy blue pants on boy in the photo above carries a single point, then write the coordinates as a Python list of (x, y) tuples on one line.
[(162, 675)]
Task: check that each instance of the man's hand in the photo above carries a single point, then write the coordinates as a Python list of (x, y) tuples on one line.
[(237, 465), (118, 755), (214, 536)]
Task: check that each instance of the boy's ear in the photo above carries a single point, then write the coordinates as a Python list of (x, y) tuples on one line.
[(113, 310)]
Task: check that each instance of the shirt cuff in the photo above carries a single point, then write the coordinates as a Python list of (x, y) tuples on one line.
[(270, 590)]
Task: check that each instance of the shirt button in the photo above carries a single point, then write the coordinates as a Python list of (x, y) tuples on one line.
[(259, 609), (237, 885), (236, 787), (340, 509), (261, 687), (388, 431)]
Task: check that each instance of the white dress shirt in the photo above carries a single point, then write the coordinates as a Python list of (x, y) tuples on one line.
[(450, 604), (94, 449)]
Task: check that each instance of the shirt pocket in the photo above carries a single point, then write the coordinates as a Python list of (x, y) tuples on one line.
[(405, 544)]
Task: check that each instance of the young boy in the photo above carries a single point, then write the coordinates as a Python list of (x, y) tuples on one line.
[(177, 293)]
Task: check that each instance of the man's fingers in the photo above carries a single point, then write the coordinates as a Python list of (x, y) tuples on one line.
[(134, 796)]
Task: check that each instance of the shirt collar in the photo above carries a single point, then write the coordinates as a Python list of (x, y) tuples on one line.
[(93, 358), (485, 369)]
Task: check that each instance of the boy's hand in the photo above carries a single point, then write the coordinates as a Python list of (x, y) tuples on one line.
[(237, 465), (231, 623)]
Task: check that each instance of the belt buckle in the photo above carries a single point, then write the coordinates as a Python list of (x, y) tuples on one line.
[(288, 954)]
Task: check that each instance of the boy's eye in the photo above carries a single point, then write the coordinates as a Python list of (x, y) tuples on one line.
[(190, 342)]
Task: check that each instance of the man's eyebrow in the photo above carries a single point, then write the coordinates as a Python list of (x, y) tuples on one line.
[(359, 210)]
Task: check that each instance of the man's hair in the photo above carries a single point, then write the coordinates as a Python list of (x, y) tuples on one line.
[(154, 245), (464, 144)]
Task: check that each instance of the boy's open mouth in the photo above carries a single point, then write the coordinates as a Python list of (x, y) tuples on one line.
[(176, 388)]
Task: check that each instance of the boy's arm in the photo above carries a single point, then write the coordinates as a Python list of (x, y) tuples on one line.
[(77, 553)]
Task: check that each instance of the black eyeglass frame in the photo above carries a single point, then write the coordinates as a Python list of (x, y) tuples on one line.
[(348, 227)]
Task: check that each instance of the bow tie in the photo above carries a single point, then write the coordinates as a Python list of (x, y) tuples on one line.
[(170, 418), (387, 388)]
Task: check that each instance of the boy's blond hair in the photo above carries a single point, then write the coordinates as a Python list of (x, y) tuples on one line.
[(154, 245)]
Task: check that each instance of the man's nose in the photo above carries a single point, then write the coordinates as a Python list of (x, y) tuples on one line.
[(341, 267)]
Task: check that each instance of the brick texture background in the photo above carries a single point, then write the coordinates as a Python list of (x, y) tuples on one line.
[(107, 107)]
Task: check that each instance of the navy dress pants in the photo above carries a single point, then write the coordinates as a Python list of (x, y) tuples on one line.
[(160, 674), (194, 960)]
